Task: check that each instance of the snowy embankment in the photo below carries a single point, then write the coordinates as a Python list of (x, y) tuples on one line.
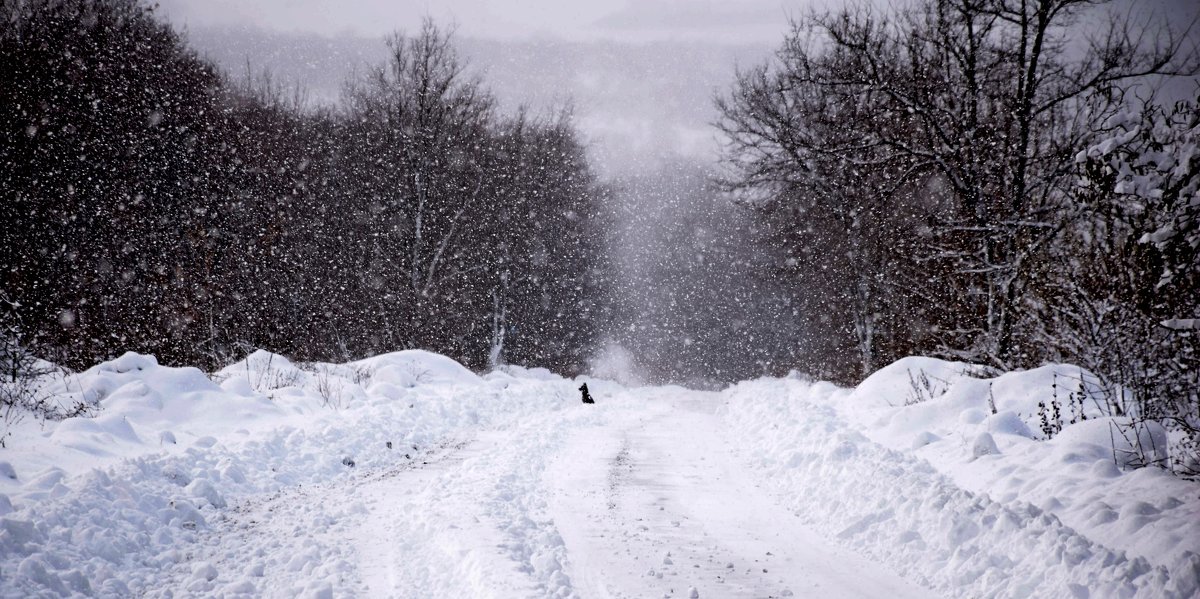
[(118, 504), (958, 493), (407, 475)]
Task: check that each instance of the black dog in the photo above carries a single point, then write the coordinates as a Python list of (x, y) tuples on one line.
[(587, 397)]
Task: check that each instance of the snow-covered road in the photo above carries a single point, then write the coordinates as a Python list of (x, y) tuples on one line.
[(406, 475), (656, 506), (638, 496)]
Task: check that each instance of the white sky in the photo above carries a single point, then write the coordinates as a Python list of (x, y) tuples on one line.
[(721, 21), (727, 21)]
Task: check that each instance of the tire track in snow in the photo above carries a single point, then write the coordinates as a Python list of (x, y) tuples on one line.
[(294, 533), (477, 527), (653, 506)]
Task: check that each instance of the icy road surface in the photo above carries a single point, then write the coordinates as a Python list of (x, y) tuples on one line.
[(636, 497)]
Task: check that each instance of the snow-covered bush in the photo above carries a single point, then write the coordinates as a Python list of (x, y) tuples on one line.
[(23, 377), (1133, 313), (1148, 168)]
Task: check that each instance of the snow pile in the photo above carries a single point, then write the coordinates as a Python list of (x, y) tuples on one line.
[(957, 491), (1081, 474), (116, 504)]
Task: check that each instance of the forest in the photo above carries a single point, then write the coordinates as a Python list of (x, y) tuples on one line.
[(154, 204), (968, 179)]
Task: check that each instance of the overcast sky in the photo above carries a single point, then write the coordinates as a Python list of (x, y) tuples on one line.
[(722, 21), (640, 73), (727, 21)]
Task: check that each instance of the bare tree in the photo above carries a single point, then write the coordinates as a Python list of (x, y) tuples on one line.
[(428, 116), (976, 108)]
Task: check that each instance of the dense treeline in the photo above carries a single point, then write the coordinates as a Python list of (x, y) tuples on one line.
[(150, 203), (972, 179)]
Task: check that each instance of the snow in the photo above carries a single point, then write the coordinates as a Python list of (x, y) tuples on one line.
[(408, 475), (1072, 476), (654, 503), (922, 510)]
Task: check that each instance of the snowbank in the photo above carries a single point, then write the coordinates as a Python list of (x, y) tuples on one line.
[(104, 505), (947, 476), (1081, 474)]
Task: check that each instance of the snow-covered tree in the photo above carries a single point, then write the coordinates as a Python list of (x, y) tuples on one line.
[(1149, 164), (1129, 305), (953, 124)]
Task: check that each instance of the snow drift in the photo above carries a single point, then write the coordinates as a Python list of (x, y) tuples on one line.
[(103, 506), (958, 491)]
